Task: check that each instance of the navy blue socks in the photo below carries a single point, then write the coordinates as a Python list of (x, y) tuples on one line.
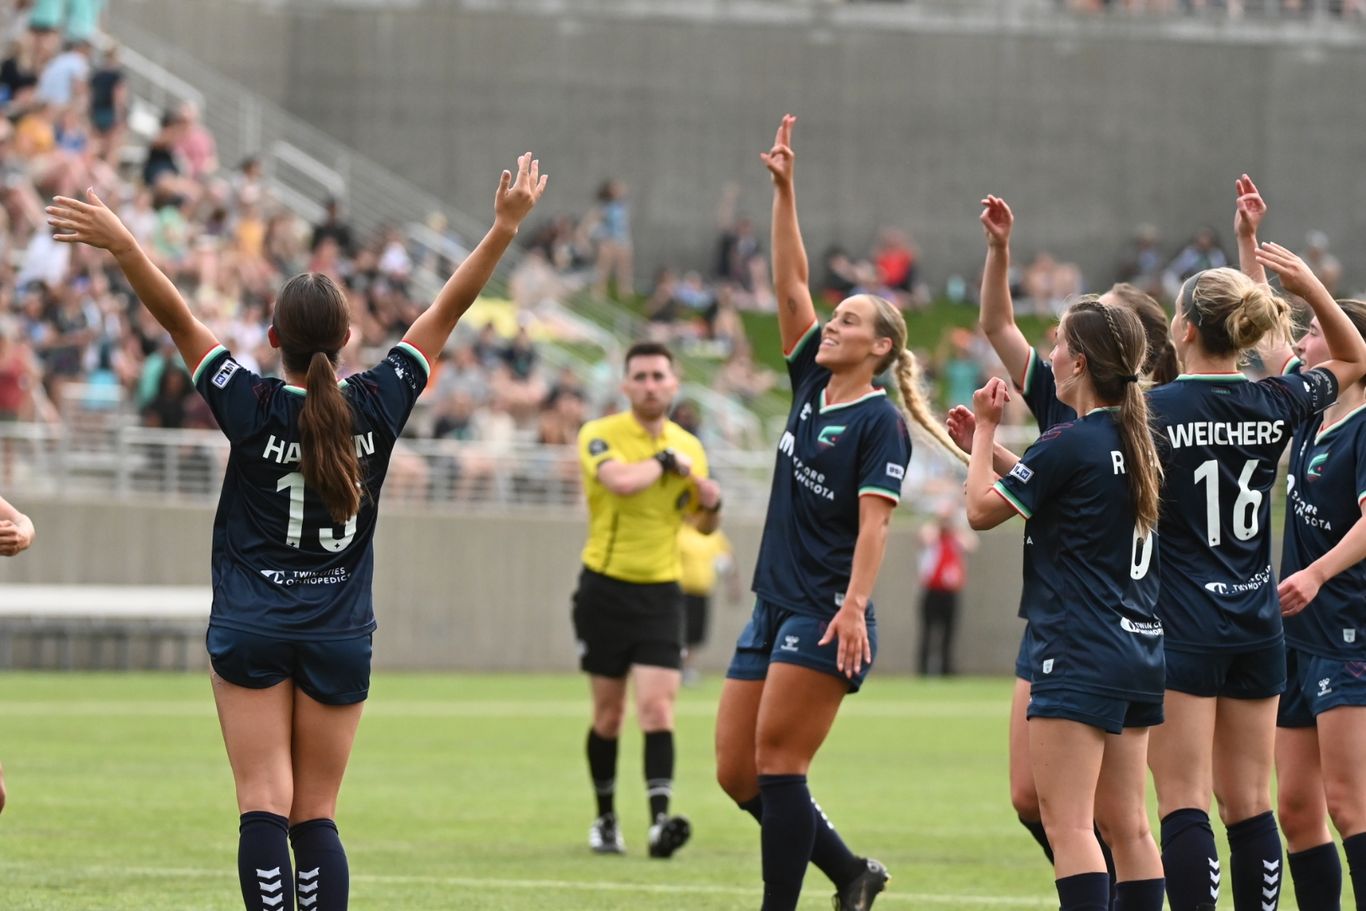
[(1036, 829), (1139, 895), (1318, 878), (263, 866), (1190, 859), (1254, 861), (1084, 892), (324, 877), (788, 832), (828, 852), (1355, 848)]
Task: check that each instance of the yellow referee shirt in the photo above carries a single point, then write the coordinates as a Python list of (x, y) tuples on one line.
[(635, 538), (700, 554)]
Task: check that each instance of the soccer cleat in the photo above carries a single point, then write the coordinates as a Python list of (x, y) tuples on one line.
[(604, 837), (858, 895), (668, 834)]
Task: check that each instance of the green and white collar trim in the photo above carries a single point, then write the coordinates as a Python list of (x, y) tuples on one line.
[(1332, 428), (863, 398), (1213, 377)]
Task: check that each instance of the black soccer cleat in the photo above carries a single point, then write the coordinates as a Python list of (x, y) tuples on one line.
[(668, 834), (604, 837), (858, 894)]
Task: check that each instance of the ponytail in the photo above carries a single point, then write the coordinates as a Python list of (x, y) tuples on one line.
[(328, 458), (1140, 455), (916, 408)]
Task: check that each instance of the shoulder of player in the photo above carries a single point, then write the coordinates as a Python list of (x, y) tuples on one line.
[(599, 428), (678, 438)]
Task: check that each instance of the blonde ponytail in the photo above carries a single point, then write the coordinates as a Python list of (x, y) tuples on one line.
[(917, 409)]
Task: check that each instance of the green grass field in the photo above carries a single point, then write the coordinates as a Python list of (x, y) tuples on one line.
[(471, 792)]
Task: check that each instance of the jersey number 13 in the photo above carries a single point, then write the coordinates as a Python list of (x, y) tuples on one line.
[(294, 483)]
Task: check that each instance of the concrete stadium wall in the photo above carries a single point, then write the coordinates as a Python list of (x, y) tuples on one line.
[(1088, 128), (485, 592)]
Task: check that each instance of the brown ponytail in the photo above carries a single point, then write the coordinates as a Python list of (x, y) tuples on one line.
[(1160, 365), (1113, 342), (890, 324), (312, 321), (329, 464)]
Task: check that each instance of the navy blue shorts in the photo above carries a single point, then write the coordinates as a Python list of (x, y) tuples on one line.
[(1023, 669), (1112, 714), (778, 634), (1258, 674), (334, 672), (1315, 684)]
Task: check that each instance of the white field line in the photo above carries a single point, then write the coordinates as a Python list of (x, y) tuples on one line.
[(472, 882), (379, 706)]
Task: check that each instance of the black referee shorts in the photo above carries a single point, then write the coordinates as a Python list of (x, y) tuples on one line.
[(618, 624)]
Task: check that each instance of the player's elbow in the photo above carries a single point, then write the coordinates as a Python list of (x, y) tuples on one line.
[(980, 516)]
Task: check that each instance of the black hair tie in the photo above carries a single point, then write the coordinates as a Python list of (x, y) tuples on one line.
[(1130, 378)]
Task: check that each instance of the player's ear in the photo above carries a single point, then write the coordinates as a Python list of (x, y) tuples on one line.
[(881, 346), (274, 337)]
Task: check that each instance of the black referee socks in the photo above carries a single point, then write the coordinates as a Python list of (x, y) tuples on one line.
[(324, 876), (1254, 861), (659, 771), (788, 831), (1190, 860), (263, 862), (1084, 892), (602, 768), (1318, 878)]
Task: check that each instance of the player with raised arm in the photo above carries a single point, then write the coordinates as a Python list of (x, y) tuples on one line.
[(1222, 437), (1088, 490), (1033, 377), (290, 627), (813, 637)]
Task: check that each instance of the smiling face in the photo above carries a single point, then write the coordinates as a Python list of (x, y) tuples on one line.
[(650, 386), (849, 339), (1311, 348)]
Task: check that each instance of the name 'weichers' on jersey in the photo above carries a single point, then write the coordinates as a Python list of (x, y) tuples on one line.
[(1090, 580), (281, 566), (828, 457), (1220, 437), (1327, 487)]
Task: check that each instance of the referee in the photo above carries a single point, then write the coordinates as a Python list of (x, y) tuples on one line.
[(642, 474)]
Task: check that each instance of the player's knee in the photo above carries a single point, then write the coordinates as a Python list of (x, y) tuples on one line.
[(656, 715), (1123, 826), (1025, 800), (1346, 805), (1243, 802), (737, 779), (607, 721), (1299, 815), (267, 797)]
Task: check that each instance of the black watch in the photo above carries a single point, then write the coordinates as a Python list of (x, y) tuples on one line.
[(667, 460)]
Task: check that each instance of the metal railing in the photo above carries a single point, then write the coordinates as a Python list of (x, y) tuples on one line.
[(105, 455)]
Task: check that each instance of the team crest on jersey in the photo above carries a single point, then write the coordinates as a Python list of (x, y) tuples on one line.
[(597, 447), (1048, 665), (1021, 472), (220, 379), (830, 435), (1314, 471), (1349, 636), (806, 411)]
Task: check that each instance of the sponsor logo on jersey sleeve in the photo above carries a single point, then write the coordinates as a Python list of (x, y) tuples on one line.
[(597, 447), (1021, 472), (897, 471), (220, 379)]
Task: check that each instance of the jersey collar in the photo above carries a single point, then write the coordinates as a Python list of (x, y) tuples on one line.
[(863, 398), (1214, 377), (1329, 429), (299, 390)]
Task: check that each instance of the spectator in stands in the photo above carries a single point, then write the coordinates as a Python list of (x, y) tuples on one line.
[(896, 258), (945, 545), (1201, 253), (169, 406), (610, 228), (1141, 265), (1048, 283), (108, 105), (65, 79), (21, 376), (333, 227), (161, 170), (839, 280), (195, 145)]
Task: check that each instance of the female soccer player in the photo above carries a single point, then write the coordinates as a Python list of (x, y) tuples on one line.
[(1089, 492), (1039, 387), (16, 535), (812, 637), (1222, 438), (292, 616), (1321, 734)]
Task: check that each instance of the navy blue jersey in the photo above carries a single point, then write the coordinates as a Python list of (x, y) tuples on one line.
[(281, 567), (1327, 485), (1040, 391), (1090, 580), (828, 457), (1220, 437)]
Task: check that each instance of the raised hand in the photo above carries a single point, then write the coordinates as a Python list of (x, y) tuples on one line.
[(90, 223), (780, 159), (517, 196), (1296, 276), (1251, 208), (997, 220), (961, 425), (989, 401)]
